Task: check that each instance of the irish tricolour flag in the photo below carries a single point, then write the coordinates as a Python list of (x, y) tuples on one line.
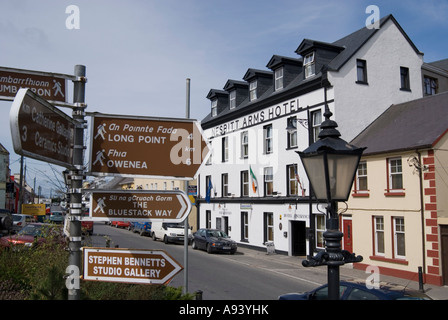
[(254, 180)]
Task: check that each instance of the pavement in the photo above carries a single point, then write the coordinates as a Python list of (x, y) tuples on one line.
[(347, 272)]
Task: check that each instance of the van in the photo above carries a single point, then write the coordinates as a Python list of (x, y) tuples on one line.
[(169, 232)]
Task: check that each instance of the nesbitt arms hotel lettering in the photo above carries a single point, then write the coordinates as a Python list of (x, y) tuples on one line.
[(268, 114)]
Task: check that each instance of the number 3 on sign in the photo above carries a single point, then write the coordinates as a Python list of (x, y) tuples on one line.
[(24, 133)]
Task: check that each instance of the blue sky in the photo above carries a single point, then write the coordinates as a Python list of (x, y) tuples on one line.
[(138, 53)]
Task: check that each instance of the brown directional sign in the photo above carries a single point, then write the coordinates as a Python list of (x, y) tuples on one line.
[(49, 86), (129, 146), (172, 206), (41, 131), (129, 265)]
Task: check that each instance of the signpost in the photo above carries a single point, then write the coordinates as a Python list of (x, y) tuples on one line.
[(41, 131), (130, 146), (50, 86), (129, 265), (132, 205)]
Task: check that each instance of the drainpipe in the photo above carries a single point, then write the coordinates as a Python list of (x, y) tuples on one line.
[(422, 210)]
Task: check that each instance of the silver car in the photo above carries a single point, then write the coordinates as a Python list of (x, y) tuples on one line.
[(21, 220)]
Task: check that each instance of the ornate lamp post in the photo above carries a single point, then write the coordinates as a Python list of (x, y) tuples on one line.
[(331, 165)]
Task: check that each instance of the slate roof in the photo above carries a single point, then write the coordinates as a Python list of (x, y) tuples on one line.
[(343, 49), (416, 124)]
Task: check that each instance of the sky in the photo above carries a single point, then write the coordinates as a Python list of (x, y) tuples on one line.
[(139, 53)]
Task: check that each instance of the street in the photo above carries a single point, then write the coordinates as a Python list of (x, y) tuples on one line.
[(246, 275)]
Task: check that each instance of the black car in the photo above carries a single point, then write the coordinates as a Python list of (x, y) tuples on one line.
[(358, 291), (213, 240)]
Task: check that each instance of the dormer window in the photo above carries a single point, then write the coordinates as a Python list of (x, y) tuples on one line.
[(232, 97), (214, 108), (309, 65), (253, 90), (278, 75)]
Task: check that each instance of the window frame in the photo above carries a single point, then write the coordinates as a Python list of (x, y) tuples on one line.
[(292, 183), (278, 79), (361, 174), (398, 231), (316, 128), (309, 65), (253, 90), (244, 144), (244, 226), (268, 226), (225, 149), (320, 228), (361, 71), (268, 181), (292, 137), (232, 99), (214, 106), (393, 174), (244, 183), (405, 81), (378, 232), (268, 141), (224, 185)]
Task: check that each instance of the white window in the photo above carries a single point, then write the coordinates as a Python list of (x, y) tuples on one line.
[(395, 182), (399, 239), (215, 108), (268, 181), (320, 229), (268, 141), (361, 177), (232, 97), (379, 235), (253, 90), (309, 65), (225, 149), (278, 74), (225, 185), (316, 123), (244, 144), (292, 136)]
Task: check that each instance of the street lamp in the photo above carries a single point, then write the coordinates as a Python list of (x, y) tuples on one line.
[(330, 164)]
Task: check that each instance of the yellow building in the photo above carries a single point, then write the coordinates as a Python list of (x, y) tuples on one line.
[(397, 216)]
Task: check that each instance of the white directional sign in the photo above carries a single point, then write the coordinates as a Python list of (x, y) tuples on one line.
[(41, 131), (133, 205), (129, 265)]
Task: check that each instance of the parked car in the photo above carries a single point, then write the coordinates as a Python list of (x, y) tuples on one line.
[(144, 228), (57, 217), (169, 232), (358, 291), (21, 220), (120, 224), (6, 222), (213, 240), (30, 235)]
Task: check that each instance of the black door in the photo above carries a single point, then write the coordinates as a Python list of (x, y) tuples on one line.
[(298, 238)]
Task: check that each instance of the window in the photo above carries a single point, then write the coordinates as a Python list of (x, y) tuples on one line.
[(361, 178), (268, 141), (316, 117), (268, 181), (395, 180), (292, 136), (320, 229), (309, 65), (430, 86), (225, 185), (278, 74), (244, 144), (232, 97), (292, 180), (215, 108), (379, 235), (253, 90), (268, 226), (361, 70), (244, 226), (208, 218), (225, 149), (399, 243), (245, 183), (404, 76)]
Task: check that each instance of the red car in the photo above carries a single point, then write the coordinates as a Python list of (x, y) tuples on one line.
[(121, 224), (30, 235)]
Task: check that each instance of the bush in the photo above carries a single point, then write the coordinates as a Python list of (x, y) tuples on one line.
[(38, 274)]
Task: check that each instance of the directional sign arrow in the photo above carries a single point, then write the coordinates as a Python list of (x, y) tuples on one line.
[(134, 205), (129, 265), (41, 131), (143, 146)]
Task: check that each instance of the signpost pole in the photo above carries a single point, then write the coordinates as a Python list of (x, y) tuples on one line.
[(77, 176), (187, 115)]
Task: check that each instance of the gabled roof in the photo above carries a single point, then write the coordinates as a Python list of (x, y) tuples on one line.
[(277, 60), (251, 73), (353, 42), (416, 124)]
